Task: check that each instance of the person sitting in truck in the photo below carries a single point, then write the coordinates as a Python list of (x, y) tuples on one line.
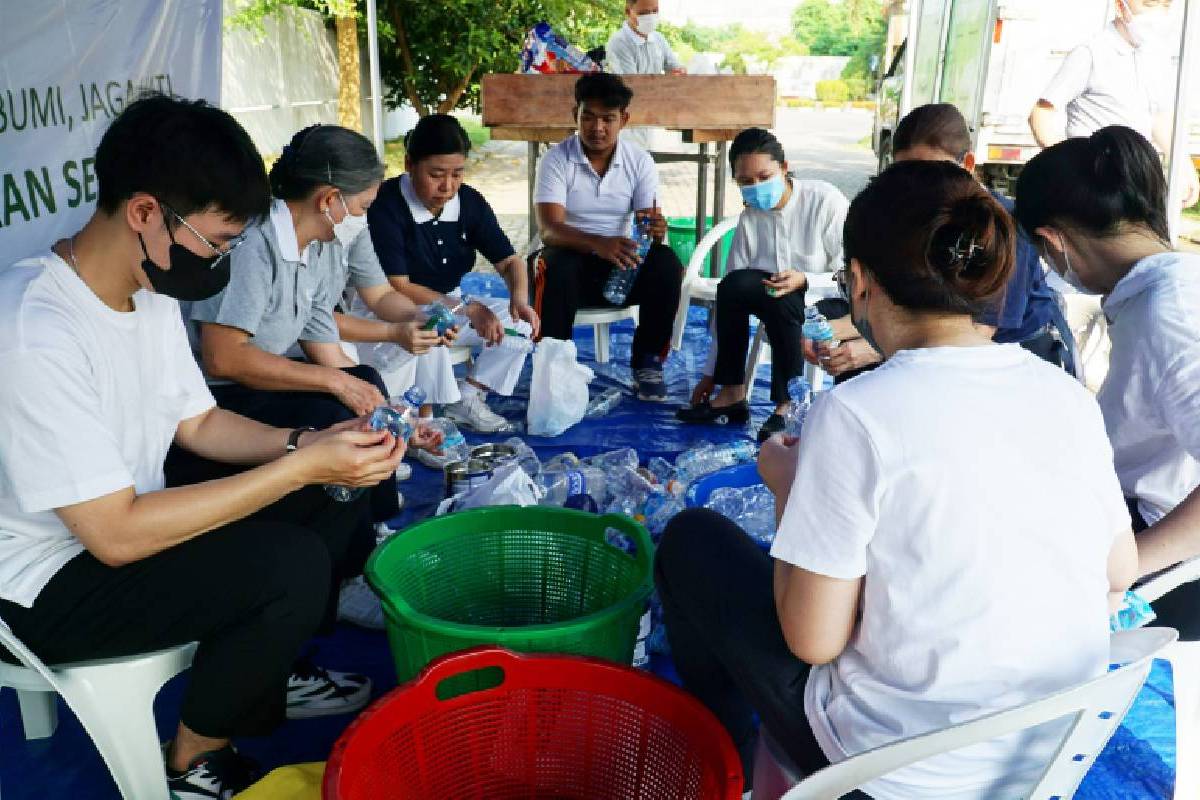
[(1121, 76)]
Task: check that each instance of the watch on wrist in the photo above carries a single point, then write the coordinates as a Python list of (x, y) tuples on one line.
[(293, 441)]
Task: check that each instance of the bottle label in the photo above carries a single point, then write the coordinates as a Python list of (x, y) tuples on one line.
[(576, 483)]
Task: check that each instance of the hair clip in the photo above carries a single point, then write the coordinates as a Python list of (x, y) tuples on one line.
[(962, 254)]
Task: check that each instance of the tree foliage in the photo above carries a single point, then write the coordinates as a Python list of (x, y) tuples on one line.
[(854, 28)]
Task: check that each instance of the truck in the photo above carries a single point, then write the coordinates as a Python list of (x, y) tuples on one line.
[(991, 59)]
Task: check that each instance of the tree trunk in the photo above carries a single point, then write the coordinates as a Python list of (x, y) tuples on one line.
[(453, 96), (349, 75), (410, 84)]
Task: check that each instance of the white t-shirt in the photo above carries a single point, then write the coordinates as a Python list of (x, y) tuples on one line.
[(627, 53), (601, 206), (1107, 81), (1151, 395), (90, 399), (972, 488), (804, 235)]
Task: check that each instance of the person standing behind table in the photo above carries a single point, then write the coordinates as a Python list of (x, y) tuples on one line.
[(912, 519), (589, 189), (1098, 208), (788, 240), (427, 227), (1121, 76), (97, 558), (636, 48), (286, 281)]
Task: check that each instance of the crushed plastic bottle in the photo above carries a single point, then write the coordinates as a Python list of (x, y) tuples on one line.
[(525, 456), (628, 491), (1136, 613), (660, 509), (560, 462), (751, 507), (620, 281), (454, 444), (817, 329), (706, 459), (801, 394), (604, 402), (559, 484), (439, 318), (400, 417), (625, 457)]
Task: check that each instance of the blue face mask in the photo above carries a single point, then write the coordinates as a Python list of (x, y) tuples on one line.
[(766, 195)]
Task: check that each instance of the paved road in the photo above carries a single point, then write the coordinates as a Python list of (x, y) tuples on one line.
[(828, 145)]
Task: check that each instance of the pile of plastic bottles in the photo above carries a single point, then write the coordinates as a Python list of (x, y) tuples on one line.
[(751, 507), (547, 52)]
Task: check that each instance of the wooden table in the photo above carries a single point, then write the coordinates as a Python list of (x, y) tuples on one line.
[(707, 109)]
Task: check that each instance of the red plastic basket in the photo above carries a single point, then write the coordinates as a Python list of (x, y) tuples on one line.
[(545, 727)]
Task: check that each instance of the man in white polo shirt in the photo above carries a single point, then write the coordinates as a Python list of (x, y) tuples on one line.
[(636, 48), (1121, 76), (589, 189)]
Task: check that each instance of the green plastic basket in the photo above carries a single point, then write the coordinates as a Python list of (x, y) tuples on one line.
[(681, 236), (532, 579)]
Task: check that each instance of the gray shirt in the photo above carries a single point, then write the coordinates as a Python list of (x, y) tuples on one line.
[(627, 53), (276, 294)]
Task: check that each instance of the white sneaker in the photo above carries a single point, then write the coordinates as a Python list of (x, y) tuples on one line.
[(403, 472), (473, 412), (358, 605), (316, 692)]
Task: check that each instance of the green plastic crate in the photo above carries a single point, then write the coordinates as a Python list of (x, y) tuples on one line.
[(530, 579), (681, 236)]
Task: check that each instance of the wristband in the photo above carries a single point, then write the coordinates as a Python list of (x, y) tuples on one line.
[(293, 440)]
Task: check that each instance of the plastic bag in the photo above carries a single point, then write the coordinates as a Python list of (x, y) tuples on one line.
[(510, 485), (296, 782), (558, 392)]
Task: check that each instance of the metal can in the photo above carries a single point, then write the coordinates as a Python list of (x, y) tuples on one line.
[(462, 476), (494, 455)]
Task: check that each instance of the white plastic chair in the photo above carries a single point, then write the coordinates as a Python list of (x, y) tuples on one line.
[(697, 287), (1096, 706), (1185, 672), (600, 319), (113, 699)]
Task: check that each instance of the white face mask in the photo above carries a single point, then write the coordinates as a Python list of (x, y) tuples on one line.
[(646, 23), (350, 227), (1069, 274), (1151, 27)]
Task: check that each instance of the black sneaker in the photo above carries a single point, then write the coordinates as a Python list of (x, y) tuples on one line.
[(774, 424), (217, 775), (648, 379), (313, 691), (708, 414)]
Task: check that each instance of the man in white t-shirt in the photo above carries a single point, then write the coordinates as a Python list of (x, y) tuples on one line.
[(1121, 76), (636, 48), (97, 558), (589, 190)]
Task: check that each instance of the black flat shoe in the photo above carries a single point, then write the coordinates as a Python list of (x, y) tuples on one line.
[(707, 414), (774, 424)]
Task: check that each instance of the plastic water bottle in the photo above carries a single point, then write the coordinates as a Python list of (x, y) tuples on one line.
[(625, 457), (620, 281), (454, 444), (801, 394), (603, 403), (561, 462), (1136, 613), (400, 417), (628, 490), (817, 329), (660, 509), (525, 456), (709, 458), (751, 507), (438, 318), (558, 485), (666, 476)]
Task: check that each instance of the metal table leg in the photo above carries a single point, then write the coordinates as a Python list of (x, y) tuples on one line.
[(719, 177), (702, 193), (531, 179)]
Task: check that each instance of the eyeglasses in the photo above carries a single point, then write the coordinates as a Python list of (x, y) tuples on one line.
[(839, 279), (217, 251)]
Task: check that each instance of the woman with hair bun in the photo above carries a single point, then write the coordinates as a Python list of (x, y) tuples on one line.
[(1098, 208), (912, 522)]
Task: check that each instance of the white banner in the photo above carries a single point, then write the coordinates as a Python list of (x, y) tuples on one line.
[(66, 69)]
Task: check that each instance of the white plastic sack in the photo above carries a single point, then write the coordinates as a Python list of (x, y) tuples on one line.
[(558, 394), (509, 485)]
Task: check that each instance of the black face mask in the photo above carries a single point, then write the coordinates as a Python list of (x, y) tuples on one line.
[(191, 277)]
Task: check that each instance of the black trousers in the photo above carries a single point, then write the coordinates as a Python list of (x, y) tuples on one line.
[(740, 294), (719, 610), (1180, 608), (564, 281), (251, 593), (284, 410)]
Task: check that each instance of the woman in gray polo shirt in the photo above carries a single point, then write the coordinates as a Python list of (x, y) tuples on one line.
[(287, 280)]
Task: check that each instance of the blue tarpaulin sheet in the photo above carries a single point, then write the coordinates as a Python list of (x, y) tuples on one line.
[(1138, 763)]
